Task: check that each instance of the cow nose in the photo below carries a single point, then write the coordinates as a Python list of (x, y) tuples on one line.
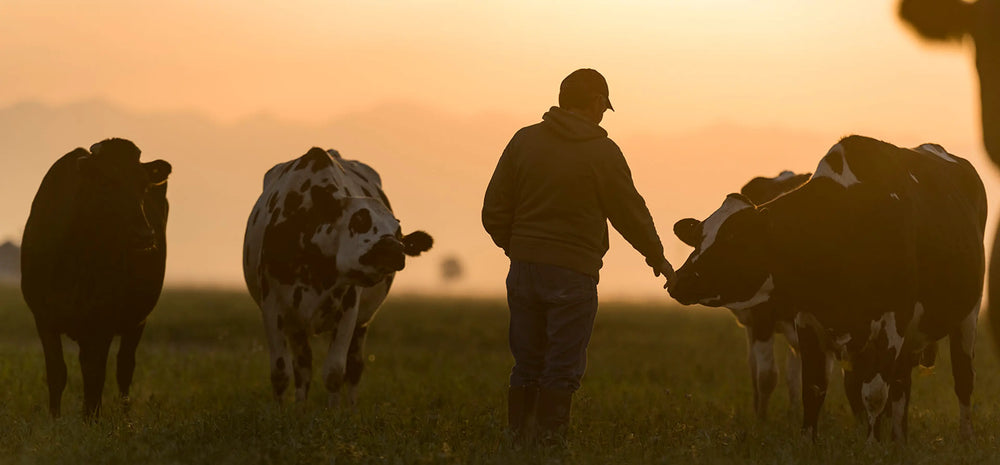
[(681, 288), (389, 256)]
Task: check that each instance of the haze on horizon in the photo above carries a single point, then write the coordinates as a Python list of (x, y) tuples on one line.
[(704, 91)]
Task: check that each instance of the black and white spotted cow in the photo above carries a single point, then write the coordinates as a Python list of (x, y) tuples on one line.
[(761, 331), (877, 256), (321, 249)]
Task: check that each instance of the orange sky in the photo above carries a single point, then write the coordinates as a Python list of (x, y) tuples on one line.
[(827, 68), (679, 63)]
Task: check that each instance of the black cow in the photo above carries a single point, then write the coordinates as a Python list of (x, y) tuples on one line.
[(877, 256), (92, 261)]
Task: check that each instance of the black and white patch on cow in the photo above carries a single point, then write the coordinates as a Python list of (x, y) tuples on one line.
[(758, 318), (877, 256), (321, 249)]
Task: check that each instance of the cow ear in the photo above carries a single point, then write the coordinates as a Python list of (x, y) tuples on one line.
[(157, 170), (688, 231), (85, 165), (416, 243)]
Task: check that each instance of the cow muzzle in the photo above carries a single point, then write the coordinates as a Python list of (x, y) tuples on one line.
[(386, 255), (684, 289)]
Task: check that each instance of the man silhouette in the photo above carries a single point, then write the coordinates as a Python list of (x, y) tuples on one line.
[(547, 206)]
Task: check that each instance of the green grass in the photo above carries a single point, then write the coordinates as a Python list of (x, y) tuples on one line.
[(664, 385)]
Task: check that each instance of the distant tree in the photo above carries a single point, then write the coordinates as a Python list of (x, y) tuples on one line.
[(451, 269), (10, 262)]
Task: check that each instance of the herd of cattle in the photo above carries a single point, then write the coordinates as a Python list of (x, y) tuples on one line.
[(870, 260)]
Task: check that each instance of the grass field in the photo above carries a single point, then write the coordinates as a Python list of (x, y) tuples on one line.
[(664, 385)]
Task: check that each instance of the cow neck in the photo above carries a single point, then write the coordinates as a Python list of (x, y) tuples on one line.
[(785, 252)]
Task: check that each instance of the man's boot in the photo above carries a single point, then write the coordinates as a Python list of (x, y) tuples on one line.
[(521, 401), (553, 415)]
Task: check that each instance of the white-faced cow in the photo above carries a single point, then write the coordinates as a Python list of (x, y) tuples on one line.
[(92, 261), (760, 331), (322, 247), (877, 256)]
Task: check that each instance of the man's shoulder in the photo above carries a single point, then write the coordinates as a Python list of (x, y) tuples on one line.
[(530, 130)]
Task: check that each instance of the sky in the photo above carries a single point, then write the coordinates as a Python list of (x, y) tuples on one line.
[(678, 70)]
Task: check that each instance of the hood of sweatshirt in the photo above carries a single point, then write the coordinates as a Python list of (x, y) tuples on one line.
[(571, 125)]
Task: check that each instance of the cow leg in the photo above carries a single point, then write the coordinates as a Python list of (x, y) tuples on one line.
[(962, 346), (125, 367), (93, 364), (277, 345), (355, 363), (883, 353), (763, 372), (793, 366), (55, 366), (335, 367), (899, 397), (814, 380), (302, 364), (852, 387)]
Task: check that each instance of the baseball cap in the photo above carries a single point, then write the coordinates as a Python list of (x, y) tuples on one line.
[(586, 81)]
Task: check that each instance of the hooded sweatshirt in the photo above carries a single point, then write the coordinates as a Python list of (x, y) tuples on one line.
[(554, 189)]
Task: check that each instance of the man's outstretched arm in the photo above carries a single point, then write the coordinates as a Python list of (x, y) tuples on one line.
[(626, 209)]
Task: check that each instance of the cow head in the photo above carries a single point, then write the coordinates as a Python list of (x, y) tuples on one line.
[(115, 187), (371, 243), (761, 190), (726, 268)]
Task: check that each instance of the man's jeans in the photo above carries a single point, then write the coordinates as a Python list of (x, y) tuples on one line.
[(552, 312)]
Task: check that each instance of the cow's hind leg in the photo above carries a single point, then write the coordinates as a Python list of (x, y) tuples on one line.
[(55, 366), (814, 378), (125, 366), (962, 344), (355, 364), (277, 345), (93, 364), (335, 367)]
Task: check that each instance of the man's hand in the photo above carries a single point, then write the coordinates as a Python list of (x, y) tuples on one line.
[(664, 268)]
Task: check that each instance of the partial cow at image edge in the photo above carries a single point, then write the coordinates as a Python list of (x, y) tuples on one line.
[(876, 257)]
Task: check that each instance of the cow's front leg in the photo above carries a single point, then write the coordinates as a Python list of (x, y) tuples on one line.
[(878, 364), (302, 366), (852, 388), (793, 366), (55, 366), (814, 378), (355, 364), (125, 367), (962, 343), (336, 357), (93, 363), (763, 372), (899, 396)]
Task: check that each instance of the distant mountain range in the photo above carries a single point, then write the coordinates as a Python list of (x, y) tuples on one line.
[(434, 167)]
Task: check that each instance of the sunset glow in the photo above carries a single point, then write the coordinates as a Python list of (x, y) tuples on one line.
[(436, 88)]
